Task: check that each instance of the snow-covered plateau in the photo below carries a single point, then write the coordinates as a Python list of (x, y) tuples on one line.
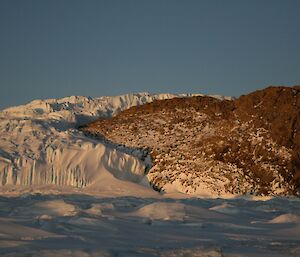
[(66, 194)]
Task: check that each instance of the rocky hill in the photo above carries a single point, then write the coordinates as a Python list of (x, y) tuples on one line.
[(207, 146)]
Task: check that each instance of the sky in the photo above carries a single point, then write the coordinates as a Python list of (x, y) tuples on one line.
[(58, 48)]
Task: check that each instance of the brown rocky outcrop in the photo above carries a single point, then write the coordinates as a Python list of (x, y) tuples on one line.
[(203, 144)]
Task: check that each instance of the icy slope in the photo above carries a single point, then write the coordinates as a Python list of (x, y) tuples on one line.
[(40, 144)]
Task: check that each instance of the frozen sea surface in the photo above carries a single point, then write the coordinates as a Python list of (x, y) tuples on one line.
[(83, 225)]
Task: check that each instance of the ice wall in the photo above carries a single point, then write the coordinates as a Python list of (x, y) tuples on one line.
[(39, 142), (73, 165)]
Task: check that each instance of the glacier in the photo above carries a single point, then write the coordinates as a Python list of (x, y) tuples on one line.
[(40, 143)]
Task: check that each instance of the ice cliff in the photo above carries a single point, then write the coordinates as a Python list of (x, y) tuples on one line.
[(40, 144)]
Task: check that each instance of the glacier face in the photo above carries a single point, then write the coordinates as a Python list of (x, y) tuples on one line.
[(40, 145)]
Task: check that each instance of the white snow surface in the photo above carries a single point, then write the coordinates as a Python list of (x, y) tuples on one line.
[(85, 225)]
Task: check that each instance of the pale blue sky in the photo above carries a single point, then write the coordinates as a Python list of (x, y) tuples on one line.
[(58, 48)]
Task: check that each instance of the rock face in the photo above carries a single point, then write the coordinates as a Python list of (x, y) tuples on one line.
[(204, 145)]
